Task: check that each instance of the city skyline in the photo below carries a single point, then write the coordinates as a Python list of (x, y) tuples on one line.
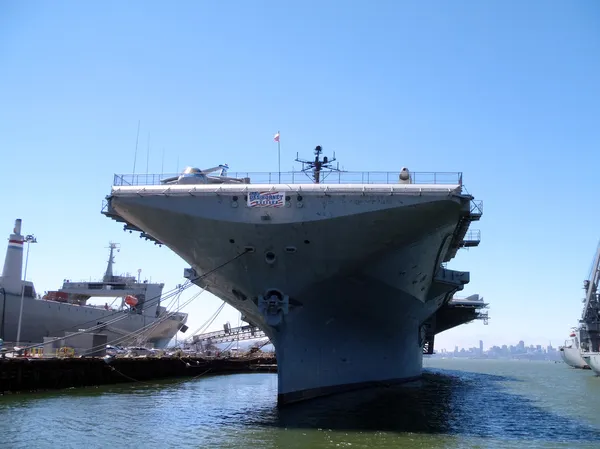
[(555, 337), (474, 342), (519, 350)]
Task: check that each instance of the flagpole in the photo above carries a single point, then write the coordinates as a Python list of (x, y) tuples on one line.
[(279, 155)]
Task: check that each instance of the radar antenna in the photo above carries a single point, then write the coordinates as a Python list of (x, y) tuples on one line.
[(318, 165)]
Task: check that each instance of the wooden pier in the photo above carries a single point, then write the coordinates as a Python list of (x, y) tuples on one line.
[(35, 374)]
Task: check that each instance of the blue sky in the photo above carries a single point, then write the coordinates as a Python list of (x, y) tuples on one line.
[(505, 91)]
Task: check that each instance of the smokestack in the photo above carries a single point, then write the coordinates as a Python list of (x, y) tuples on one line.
[(13, 263)]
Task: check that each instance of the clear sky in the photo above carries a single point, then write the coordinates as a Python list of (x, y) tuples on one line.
[(507, 92)]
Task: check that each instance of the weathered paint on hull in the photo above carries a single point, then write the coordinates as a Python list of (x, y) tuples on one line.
[(43, 318), (345, 336), (362, 274)]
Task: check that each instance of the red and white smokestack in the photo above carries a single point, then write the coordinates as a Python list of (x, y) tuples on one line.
[(13, 263)]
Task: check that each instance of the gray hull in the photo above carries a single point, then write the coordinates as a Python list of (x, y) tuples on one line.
[(572, 357), (362, 271), (593, 361), (43, 318)]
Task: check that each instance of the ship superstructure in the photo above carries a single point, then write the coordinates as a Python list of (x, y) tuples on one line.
[(589, 325), (344, 272), (139, 316)]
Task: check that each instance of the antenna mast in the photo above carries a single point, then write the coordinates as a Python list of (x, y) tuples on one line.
[(108, 276), (136, 146), (318, 165), (148, 154)]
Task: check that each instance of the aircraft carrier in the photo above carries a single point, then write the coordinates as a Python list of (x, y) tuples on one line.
[(345, 272), (139, 317)]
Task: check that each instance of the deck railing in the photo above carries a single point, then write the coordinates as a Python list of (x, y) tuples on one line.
[(344, 177), (473, 236), (476, 207)]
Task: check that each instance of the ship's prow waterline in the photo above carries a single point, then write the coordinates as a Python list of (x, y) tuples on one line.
[(346, 278)]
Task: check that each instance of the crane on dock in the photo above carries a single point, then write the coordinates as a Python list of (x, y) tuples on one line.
[(205, 341)]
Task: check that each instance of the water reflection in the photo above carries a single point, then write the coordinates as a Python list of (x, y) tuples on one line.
[(444, 402), (445, 409)]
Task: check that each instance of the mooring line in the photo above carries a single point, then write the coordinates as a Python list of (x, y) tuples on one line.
[(149, 384)]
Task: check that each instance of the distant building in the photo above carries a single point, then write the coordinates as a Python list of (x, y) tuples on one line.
[(520, 351)]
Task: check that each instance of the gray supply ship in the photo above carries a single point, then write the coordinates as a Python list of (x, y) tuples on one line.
[(345, 272), (139, 317)]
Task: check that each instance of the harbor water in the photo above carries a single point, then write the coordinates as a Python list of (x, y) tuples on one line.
[(459, 403)]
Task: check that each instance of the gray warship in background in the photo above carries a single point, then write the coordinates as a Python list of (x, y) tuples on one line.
[(345, 272), (139, 318), (582, 350)]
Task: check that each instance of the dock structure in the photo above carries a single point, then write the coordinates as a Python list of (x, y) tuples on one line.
[(37, 370), (228, 334), (25, 374)]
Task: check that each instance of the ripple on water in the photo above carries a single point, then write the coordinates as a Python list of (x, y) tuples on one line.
[(448, 408)]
